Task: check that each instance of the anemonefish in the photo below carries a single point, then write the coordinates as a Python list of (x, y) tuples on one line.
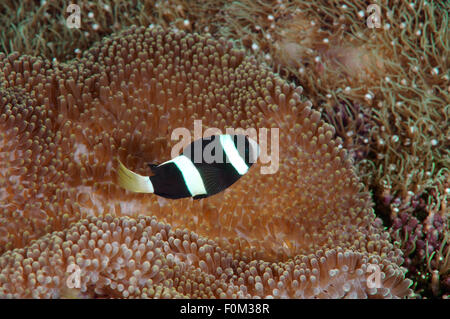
[(206, 167)]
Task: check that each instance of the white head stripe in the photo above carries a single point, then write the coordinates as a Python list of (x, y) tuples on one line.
[(233, 155), (191, 176)]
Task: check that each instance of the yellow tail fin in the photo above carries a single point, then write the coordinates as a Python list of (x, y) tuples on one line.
[(132, 181)]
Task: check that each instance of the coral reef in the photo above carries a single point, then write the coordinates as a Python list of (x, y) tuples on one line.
[(425, 242), (39, 28), (396, 74), (64, 124)]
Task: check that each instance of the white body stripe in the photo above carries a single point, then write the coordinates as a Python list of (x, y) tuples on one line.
[(233, 155), (192, 178)]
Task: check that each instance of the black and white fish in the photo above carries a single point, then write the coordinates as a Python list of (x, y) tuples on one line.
[(206, 167)]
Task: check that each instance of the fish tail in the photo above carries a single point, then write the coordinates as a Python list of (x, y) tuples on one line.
[(132, 181)]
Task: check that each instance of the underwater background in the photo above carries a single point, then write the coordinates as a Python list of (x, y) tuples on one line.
[(74, 98)]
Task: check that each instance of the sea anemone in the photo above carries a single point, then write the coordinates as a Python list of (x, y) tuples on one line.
[(63, 126), (144, 258)]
